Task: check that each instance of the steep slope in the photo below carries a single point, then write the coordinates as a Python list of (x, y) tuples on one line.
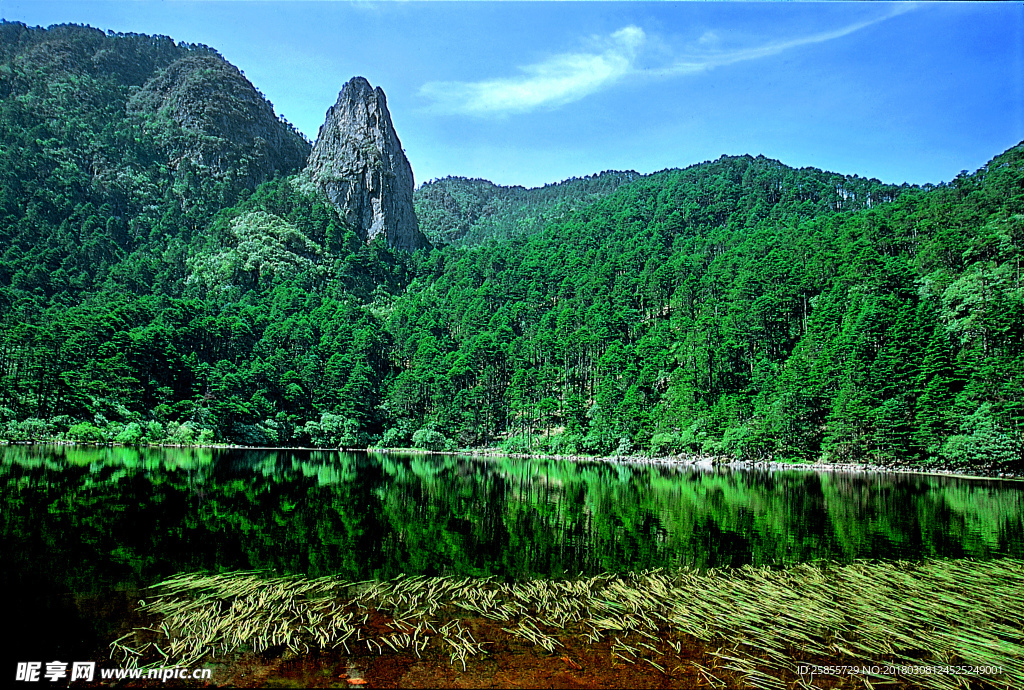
[(110, 142), (359, 165), (223, 125), (737, 307)]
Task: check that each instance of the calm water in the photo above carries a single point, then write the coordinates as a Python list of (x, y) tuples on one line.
[(81, 523)]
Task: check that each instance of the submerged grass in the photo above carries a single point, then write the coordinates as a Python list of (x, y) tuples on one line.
[(758, 625)]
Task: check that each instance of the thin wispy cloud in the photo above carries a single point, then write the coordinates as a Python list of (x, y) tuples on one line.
[(569, 77), (556, 81), (699, 62)]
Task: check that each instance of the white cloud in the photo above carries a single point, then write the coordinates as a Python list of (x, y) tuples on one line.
[(699, 62), (556, 81), (710, 38), (569, 77)]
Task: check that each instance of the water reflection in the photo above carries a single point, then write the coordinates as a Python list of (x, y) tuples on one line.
[(84, 518)]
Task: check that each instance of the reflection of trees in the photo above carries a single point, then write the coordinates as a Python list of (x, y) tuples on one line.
[(57, 457), (88, 517), (564, 518)]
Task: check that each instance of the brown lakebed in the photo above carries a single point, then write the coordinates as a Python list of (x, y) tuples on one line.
[(740, 627)]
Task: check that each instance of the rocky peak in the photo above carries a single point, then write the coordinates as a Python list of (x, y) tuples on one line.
[(358, 163)]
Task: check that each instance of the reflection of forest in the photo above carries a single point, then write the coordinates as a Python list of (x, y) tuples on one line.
[(85, 519)]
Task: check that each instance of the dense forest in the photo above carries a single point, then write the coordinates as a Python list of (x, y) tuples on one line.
[(166, 278), (456, 210)]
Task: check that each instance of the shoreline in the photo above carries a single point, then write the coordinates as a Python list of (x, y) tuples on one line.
[(712, 462), (707, 462)]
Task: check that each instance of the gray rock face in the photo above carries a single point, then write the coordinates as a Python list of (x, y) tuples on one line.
[(358, 163)]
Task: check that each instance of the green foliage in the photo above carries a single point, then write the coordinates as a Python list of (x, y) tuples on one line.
[(151, 292), (336, 431), (431, 439), (180, 434), (115, 151), (132, 434), (86, 432), (26, 430), (565, 444), (261, 246), (739, 308), (398, 436), (666, 443), (983, 442), (468, 212), (155, 432)]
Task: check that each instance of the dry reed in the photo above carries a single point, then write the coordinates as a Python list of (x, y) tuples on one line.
[(758, 625)]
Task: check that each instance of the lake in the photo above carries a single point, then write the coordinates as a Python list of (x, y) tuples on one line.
[(85, 528)]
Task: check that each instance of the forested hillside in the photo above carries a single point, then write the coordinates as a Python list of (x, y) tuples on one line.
[(457, 210), (736, 307), (117, 148)]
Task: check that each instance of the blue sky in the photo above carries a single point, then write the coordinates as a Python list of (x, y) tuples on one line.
[(531, 93)]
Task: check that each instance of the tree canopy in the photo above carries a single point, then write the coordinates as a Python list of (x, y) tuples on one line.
[(736, 307)]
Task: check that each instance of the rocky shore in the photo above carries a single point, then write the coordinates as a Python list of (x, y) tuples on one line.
[(717, 461)]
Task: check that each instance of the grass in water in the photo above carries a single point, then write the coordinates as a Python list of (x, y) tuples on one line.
[(758, 624)]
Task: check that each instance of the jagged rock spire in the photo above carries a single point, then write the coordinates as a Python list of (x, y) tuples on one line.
[(358, 163)]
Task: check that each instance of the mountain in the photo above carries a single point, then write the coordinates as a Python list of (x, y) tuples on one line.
[(741, 308), (466, 211), (221, 123), (117, 142), (358, 163), (151, 291)]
